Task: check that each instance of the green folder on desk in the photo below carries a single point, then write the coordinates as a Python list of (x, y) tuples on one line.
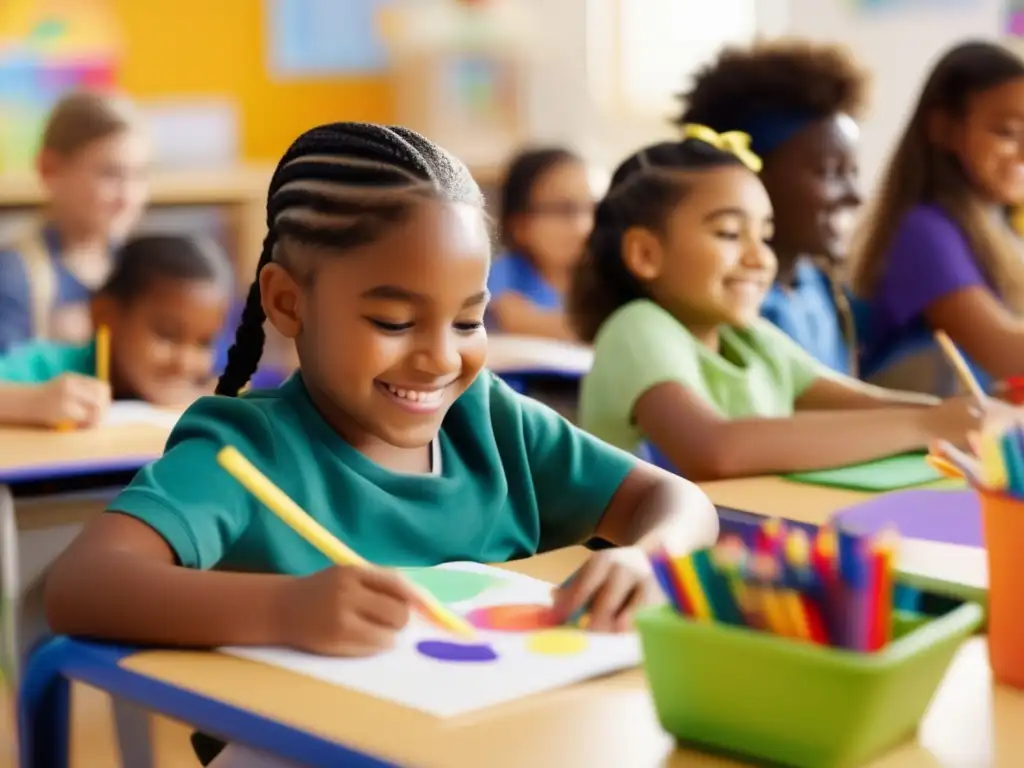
[(890, 474)]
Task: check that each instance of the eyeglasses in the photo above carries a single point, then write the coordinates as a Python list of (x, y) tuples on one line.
[(563, 209)]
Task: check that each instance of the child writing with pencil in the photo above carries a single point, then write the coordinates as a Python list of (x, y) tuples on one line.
[(799, 102), (547, 209), (158, 314), (937, 251), (391, 436), (669, 292), (92, 164)]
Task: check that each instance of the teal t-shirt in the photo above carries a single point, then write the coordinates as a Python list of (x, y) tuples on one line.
[(758, 370), (39, 361), (515, 479)]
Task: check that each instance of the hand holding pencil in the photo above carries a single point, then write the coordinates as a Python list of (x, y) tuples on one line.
[(71, 401)]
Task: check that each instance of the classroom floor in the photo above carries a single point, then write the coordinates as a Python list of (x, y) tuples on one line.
[(93, 741)]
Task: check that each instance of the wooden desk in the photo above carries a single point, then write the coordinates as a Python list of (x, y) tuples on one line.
[(240, 191), (43, 454), (607, 722)]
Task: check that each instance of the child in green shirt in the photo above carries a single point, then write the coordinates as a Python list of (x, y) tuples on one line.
[(670, 292), (391, 435), (164, 304)]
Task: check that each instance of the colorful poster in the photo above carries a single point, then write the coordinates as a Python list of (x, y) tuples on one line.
[(46, 48), (1015, 18), (325, 38)]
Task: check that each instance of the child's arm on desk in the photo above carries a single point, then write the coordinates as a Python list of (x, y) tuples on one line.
[(703, 445), (517, 314), (841, 393), (67, 399), (119, 581)]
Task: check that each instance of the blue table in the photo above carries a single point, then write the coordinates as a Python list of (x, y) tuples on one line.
[(44, 714)]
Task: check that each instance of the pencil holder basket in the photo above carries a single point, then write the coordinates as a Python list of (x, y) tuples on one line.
[(788, 702), (1003, 519)]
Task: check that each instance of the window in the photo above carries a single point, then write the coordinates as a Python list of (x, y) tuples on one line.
[(642, 52)]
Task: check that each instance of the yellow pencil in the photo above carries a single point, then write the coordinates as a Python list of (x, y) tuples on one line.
[(260, 486), (103, 353), (960, 365), (691, 585)]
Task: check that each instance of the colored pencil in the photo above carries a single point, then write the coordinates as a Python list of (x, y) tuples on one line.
[(800, 606), (729, 557), (882, 558), (720, 596), (765, 575), (695, 596), (260, 486), (963, 370), (662, 573), (854, 579), (103, 353)]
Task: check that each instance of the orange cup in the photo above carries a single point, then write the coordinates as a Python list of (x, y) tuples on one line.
[(1003, 518)]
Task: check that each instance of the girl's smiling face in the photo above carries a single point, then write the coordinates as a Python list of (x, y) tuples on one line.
[(712, 263), (389, 334)]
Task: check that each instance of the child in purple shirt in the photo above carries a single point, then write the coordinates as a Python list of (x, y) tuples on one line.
[(937, 252)]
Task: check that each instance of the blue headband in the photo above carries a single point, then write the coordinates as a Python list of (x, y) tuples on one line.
[(770, 130)]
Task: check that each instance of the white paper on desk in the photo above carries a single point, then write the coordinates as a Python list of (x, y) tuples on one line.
[(137, 412), (953, 563), (445, 689), (508, 353)]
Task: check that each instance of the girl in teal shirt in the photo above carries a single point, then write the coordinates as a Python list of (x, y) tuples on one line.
[(670, 293), (164, 305), (391, 435)]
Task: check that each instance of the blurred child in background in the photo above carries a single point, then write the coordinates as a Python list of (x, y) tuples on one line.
[(799, 103), (670, 292), (546, 213), (165, 303), (92, 164), (937, 251)]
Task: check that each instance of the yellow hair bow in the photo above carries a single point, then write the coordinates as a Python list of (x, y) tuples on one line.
[(734, 142)]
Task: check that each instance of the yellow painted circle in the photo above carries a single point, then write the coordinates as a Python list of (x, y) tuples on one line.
[(557, 642)]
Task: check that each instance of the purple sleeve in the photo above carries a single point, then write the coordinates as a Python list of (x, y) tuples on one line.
[(929, 258)]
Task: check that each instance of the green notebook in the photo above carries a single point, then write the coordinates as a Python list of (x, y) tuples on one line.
[(904, 471)]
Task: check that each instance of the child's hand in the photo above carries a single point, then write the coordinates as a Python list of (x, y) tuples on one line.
[(71, 399), (613, 583), (345, 611), (953, 419)]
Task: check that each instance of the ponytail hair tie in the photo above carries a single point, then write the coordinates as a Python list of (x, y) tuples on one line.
[(736, 143)]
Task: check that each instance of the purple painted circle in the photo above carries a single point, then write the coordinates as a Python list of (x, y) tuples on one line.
[(443, 650)]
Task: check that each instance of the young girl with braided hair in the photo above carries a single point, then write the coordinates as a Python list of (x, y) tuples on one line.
[(669, 293), (391, 435)]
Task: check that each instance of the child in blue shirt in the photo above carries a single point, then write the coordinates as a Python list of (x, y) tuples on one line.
[(546, 213), (391, 435), (164, 303), (798, 101), (92, 166)]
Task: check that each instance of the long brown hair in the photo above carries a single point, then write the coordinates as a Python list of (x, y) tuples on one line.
[(922, 172)]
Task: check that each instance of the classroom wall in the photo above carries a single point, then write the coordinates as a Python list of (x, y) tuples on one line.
[(217, 48), (898, 42)]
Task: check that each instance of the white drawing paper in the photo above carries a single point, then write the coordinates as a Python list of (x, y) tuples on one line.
[(137, 412), (445, 689)]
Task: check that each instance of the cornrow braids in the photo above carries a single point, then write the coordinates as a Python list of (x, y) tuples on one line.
[(340, 186), (645, 188)]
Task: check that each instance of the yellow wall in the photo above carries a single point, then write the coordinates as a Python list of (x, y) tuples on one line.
[(218, 48)]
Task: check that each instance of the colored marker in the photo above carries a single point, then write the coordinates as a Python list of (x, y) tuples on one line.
[(803, 612), (823, 562), (765, 573), (882, 559), (661, 568), (729, 557), (695, 596), (854, 578), (717, 589)]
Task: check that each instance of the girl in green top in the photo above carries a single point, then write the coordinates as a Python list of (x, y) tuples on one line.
[(391, 435), (669, 293), (164, 304)]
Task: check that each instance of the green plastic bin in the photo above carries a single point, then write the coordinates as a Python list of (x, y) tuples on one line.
[(774, 699)]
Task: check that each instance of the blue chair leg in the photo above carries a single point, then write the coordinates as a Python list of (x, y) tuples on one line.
[(44, 710)]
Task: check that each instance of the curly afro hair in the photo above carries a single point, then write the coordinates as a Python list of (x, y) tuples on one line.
[(789, 76)]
